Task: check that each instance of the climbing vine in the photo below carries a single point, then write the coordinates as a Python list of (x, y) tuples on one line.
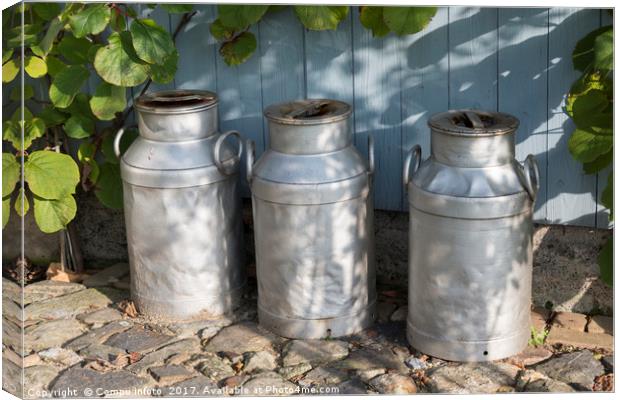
[(590, 105), (108, 43)]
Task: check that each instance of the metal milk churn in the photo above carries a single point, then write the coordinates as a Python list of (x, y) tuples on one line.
[(182, 208), (470, 238), (313, 223)]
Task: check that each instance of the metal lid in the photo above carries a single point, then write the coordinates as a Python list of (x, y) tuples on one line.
[(308, 112), (175, 101), (473, 123)]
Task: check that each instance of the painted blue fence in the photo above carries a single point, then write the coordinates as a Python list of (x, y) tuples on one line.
[(515, 60)]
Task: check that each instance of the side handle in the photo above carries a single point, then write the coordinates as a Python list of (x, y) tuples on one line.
[(117, 142), (531, 174), (415, 155), (249, 159), (218, 147), (371, 155)]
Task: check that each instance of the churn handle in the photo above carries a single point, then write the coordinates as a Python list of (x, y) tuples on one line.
[(249, 159), (371, 155), (532, 176), (117, 142), (416, 151), (218, 147)]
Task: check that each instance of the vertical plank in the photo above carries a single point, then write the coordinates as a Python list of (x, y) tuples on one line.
[(241, 103), (424, 83), (571, 194), (329, 62), (473, 57), (522, 86), (281, 60), (377, 64), (197, 49), (602, 213)]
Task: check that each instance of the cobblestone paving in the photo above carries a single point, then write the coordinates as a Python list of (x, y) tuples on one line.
[(79, 342)]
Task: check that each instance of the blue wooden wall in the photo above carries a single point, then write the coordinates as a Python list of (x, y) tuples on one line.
[(515, 60)]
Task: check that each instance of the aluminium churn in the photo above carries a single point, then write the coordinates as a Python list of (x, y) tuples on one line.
[(470, 238), (182, 208), (313, 223)]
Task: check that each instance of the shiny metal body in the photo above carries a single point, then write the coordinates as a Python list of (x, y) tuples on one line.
[(182, 208), (313, 223), (470, 239)]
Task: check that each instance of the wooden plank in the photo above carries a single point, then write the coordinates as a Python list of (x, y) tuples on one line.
[(281, 60), (329, 62), (602, 213), (522, 86), (197, 51), (377, 65), (424, 84), (473, 57), (241, 104), (571, 194)]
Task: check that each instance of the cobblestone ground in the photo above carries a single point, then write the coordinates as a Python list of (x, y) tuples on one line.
[(81, 341)]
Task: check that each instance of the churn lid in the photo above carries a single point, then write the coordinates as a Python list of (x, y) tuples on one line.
[(473, 123), (308, 112), (175, 101)]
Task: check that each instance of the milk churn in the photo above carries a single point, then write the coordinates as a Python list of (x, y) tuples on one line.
[(182, 209), (470, 238), (313, 223)]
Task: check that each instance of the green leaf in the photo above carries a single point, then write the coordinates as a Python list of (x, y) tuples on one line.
[(238, 50), (35, 66), (606, 261), (10, 70), (107, 101), (109, 188), (607, 197), (6, 210), (583, 54), (6, 55), (600, 163), (587, 147), (408, 20), (320, 18), (177, 8), (53, 215), (372, 18), (52, 117), (51, 175), (117, 21), (219, 31), (21, 197), (79, 127), (239, 16), (66, 84), (91, 20), (593, 112), (33, 129), (52, 32), (151, 42), (118, 64), (16, 93), (165, 72), (80, 106), (74, 50), (54, 66), (46, 11), (10, 173), (604, 51), (90, 168)]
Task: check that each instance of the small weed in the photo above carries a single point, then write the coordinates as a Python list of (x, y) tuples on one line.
[(538, 338)]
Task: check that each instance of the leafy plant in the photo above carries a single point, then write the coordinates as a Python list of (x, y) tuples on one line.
[(232, 26), (538, 338), (590, 105), (64, 48)]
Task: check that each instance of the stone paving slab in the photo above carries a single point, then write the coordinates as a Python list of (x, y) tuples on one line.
[(92, 344), (601, 324)]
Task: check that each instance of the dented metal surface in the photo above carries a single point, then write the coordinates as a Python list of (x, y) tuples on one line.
[(182, 209), (470, 239), (313, 222)]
